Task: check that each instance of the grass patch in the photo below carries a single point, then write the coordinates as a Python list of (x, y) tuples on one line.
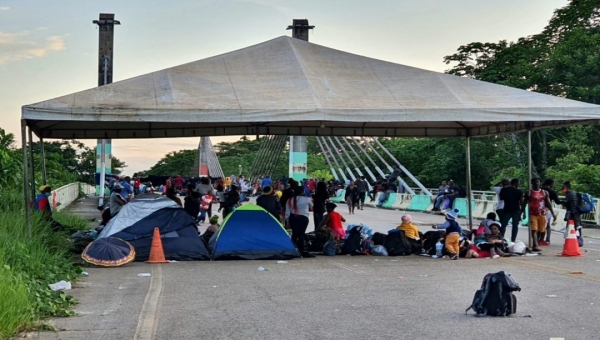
[(29, 265)]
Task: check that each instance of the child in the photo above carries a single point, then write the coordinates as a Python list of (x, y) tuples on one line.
[(205, 205), (453, 231), (333, 220), (412, 233), (212, 229), (492, 242)]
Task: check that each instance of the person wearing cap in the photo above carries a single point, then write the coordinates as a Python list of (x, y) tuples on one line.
[(212, 229), (333, 220), (268, 201), (453, 231), (410, 230)]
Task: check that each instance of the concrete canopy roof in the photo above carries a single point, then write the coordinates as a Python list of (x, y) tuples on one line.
[(292, 87)]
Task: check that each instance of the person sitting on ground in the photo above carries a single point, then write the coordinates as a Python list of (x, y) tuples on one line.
[(484, 226), (171, 194), (466, 249), (116, 201), (333, 220), (453, 232), (212, 229), (42, 205), (269, 202), (492, 242), (412, 233)]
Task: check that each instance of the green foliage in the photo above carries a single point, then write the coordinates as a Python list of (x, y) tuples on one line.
[(175, 163), (29, 265)]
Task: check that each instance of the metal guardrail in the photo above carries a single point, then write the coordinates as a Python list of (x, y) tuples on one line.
[(67, 194), (592, 217)]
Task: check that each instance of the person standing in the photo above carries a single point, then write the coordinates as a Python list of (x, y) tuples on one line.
[(351, 197), (362, 186), (232, 200), (191, 202), (203, 188), (544, 239), (571, 204), (127, 189), (513, 201), (537, 200), (178, 183), (497, 188), (319, 198), (205, 204), (136, 184), (269, 202), (297, 212), (116, 201)]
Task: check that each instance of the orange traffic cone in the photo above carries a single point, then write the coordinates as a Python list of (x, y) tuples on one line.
[(571, 247), (157, 254)]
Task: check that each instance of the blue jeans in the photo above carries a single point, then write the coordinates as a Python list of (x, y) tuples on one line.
[(505, 217), (202, 216), (438, 202)]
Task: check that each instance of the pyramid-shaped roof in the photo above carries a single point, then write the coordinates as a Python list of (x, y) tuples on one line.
[(289, 86)]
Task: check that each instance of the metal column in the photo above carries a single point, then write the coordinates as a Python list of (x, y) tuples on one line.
[(298, 167), (26, 176), (31, 163), (106, 26), (43, 161), (469, 195), (529, 178)]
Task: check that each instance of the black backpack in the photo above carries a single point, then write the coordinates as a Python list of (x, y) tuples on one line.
[(379, 239), (354, 244), (397, 244), (495, 297)]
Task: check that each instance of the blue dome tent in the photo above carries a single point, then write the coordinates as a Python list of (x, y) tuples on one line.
[(251, 233)]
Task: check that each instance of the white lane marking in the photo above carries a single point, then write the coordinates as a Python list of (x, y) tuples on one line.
[(149, 315)]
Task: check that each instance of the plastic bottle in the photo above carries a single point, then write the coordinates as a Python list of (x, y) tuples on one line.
[(438, 249)]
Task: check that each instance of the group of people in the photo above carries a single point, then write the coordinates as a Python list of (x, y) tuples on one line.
[(513, 203)]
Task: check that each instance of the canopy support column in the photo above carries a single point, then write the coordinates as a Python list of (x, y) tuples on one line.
[(26, 176), (31, 164), (529, 177), (469, 194), (43, 161), (102, 170)]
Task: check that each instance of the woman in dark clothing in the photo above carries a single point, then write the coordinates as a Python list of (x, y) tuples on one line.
[(319, 198), (269, 202), (191, 202), (232, 199), (351, 197), (286, 195)]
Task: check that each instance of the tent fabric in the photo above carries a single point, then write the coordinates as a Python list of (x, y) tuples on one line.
[(292, 87), (251, 233), (135, 224)]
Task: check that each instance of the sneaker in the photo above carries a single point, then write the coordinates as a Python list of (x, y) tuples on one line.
[(455, 257), (543, 243), (536, 249), (496, 256)]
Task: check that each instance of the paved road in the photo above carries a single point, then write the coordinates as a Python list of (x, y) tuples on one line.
[(338, 297)]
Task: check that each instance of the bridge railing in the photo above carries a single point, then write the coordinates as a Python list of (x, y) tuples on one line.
[(489, 198), (67, 194)]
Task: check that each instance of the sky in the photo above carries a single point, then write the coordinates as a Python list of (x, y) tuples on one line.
[(49, 48)]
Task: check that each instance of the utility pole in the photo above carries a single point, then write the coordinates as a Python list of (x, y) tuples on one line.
[(106, 27), (298, 167)]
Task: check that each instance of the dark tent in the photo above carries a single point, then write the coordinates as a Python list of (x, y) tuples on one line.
[(251, 233), (135, 224)]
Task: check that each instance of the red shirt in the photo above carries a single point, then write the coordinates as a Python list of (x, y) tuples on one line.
[(178, 182), (537, 202)]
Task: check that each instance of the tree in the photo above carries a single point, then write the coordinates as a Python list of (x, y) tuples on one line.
[(175, 163)]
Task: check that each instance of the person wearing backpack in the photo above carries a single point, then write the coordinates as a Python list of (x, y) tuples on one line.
[(537, 201), (571, 204), (453, 231)]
